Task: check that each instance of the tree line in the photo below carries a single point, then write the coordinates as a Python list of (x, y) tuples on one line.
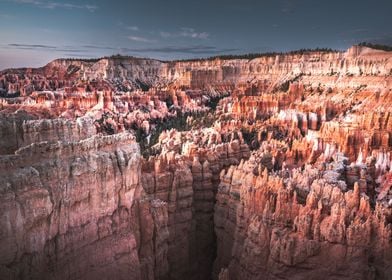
[(376, 46)]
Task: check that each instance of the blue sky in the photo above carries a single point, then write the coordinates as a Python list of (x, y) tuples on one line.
[(33, 32)]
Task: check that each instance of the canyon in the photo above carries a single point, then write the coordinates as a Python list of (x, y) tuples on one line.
[(275, 167)]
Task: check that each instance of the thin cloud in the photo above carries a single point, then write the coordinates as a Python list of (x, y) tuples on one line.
[(46, 48), (127, 27), (166, 34), (185, 32), (57, 5), (190, 32), (70, 50), (83, 48), (91, 47), (88, 50), (199, 49), (132, 28), (385, 39), (140, 39), (79, 55), (31, 46)]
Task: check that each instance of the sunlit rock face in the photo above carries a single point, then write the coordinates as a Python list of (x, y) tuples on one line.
[(278, 167), (268, 229), (357, 66)]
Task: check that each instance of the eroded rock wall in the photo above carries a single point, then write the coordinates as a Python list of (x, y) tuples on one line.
[(312, 200), (355, 67), (73, 210), (185, 176), (268, 228)]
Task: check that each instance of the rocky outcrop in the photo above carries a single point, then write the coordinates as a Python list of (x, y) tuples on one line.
[(268, 228), (276, 167), (353, 68), (19, 133), (66, 201), (68, 208), (185, 176)]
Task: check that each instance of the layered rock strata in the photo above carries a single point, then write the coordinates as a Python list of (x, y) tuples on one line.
[(65, 202), (355, 67), (68, 210), (269, 228), (271, 168)]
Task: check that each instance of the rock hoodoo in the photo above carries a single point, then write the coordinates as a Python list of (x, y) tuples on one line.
[(277, 167)]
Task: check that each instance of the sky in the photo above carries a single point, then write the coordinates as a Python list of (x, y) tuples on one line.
[(34, 32)]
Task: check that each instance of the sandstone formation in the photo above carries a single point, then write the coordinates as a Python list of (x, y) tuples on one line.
[(277, 167)]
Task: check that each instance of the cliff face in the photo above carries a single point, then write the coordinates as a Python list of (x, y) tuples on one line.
[(89, 206), (185, 175), (266, 230), (271, 168), (67, 209), (355, 67), (17, 133)]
